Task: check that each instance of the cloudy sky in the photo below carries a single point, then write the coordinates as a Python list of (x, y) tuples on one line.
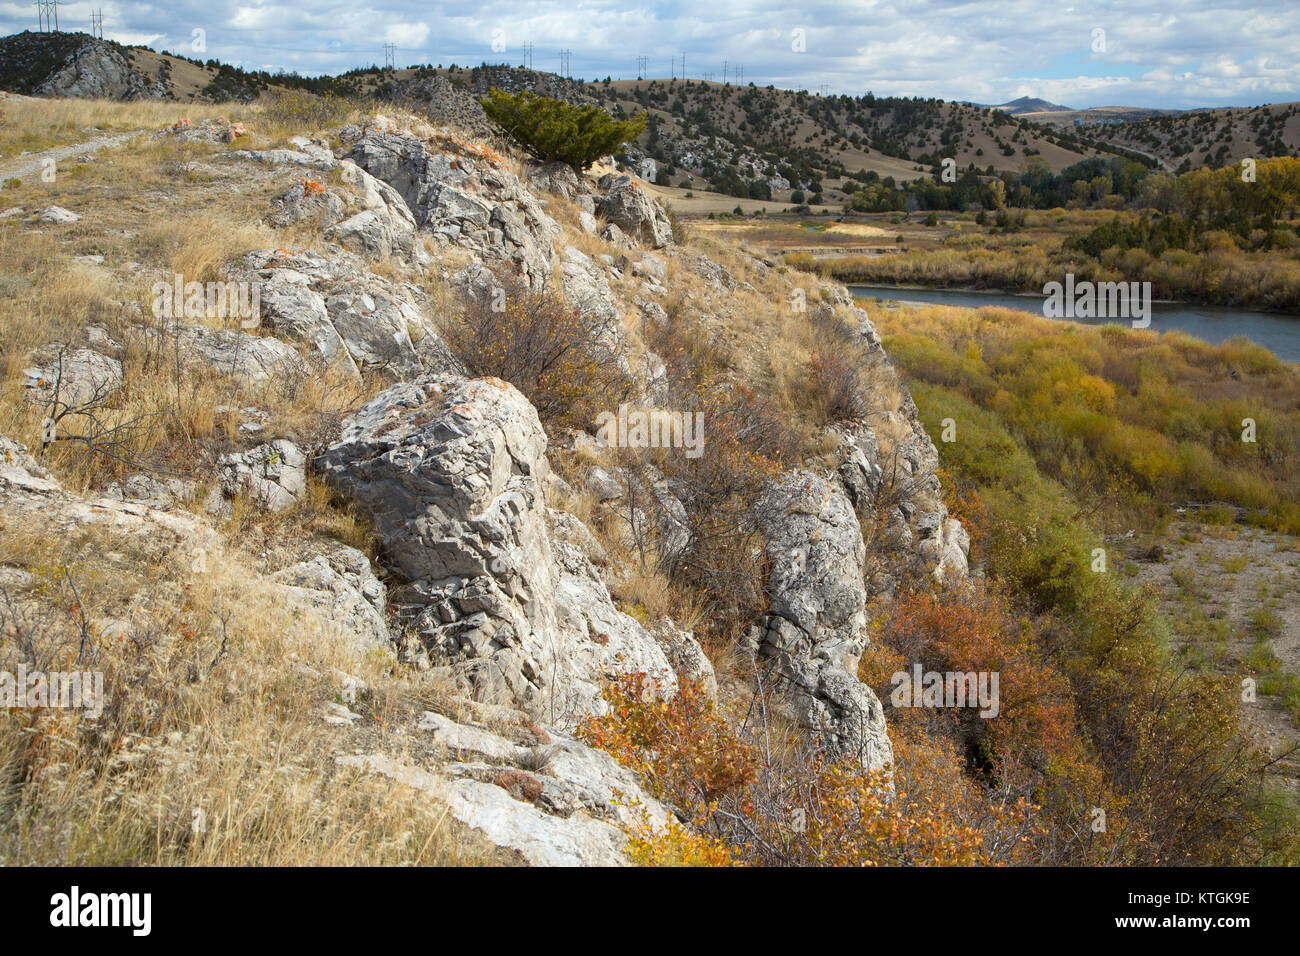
[(1135, 52)]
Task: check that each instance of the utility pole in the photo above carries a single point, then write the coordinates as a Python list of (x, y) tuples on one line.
[(683, 66), (724, 72), (390, 56), (97, 23), (47, 15)]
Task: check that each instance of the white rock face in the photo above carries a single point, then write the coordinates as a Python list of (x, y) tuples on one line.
[(452, 472)]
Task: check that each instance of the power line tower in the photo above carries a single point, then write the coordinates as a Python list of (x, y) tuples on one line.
[(47, 15), (97, 23), (825, 89), (527, 63), (740, 74), (564, 62), (642, 67), (683, 66), (390, 56)]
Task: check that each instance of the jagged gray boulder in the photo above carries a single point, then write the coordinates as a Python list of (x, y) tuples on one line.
[(463, 195), (306, 201), (816, 630), (156, 491), (343, 586), (272, 475), (686, 656), (558, 178), (629, 207), (384, 228), (352, 319), (859, 467), (452, 472), (587, 289), (249, 359)]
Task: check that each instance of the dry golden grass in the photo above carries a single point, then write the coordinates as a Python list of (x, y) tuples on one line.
[(33, 124), (134, 213), (212, 749)]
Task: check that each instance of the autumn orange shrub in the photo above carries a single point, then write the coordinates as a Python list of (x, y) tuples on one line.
[(676, 845), (751, 801), (1036, 746), (932, 815), (680, 745)]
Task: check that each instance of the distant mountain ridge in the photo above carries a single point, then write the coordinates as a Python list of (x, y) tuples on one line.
[(748, 141), (1029, 104)]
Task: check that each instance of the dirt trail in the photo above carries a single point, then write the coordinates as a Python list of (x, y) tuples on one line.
[(30, 164)]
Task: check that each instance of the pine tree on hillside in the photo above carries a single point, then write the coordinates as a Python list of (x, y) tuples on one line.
[(553, 130)]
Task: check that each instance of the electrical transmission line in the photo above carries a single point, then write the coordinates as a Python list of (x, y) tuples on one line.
[(47, 15)]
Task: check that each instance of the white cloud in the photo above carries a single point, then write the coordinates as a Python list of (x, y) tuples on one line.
[(1206, 53)]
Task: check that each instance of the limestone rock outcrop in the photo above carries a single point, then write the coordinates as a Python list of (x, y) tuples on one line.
[(629, 207), (461, 194), (273, 476), (73, 378), (343, 585), (816, 630), (350, 318), (452, 472)]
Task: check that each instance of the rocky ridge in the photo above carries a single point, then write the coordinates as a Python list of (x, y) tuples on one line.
[(489, 584)]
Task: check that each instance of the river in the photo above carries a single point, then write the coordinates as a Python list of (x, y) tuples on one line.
[(1280, 334)]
